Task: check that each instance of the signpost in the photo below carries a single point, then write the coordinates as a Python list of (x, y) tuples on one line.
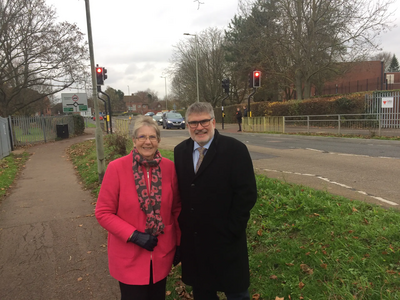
[(387, 102), (74, 102)]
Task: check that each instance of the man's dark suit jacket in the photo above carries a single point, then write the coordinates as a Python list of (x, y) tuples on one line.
[(216, 204)]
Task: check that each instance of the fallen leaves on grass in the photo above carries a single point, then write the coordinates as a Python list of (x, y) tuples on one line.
[(306, 269)]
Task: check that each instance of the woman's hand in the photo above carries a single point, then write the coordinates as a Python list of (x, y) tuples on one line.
[(144, 240)]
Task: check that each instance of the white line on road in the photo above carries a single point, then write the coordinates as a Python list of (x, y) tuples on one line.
[(334, 182), (346, 154)]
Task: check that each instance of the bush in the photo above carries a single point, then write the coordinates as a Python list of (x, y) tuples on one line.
[(327, 105), (117, 144), (79, 124)]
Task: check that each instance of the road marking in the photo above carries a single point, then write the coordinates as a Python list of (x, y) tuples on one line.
[(336, 183), (346, 154)]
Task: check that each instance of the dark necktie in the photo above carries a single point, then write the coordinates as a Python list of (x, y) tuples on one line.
[(201, 156)]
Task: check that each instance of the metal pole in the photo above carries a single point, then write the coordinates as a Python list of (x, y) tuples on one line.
[(109, 115), (101, 167), (197, 67), (248, 102), (166, 96)]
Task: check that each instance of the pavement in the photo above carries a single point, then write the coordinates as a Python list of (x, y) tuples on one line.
[(51, 244)]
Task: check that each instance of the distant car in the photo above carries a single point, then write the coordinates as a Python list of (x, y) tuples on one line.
[(150, 113), (157, 117), (173, 120)]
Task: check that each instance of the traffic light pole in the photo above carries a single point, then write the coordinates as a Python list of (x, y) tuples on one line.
[(248, 101), (101, 166), (105, 108), (109, 115), (222, 109)]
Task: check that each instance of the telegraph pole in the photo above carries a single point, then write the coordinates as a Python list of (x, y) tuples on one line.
[(101, 165)]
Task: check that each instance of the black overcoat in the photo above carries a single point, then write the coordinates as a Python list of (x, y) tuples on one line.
[(216, 204)]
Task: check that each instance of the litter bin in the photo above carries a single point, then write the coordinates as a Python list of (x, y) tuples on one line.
[(62, 131)]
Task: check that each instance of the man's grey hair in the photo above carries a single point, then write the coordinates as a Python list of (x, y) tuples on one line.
[(146, 121), (199, 108)]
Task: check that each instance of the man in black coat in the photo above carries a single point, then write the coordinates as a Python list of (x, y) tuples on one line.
[(239, 118), (216, 204)]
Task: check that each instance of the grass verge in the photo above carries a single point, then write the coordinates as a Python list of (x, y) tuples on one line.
[(9, 170), (303, 243)]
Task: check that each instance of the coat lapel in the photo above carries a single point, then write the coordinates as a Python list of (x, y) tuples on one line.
[(188, 157)]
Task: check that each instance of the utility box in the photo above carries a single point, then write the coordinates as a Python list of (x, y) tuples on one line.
[(62, 131)]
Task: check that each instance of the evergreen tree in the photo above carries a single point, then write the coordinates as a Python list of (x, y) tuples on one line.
[(394, 65)]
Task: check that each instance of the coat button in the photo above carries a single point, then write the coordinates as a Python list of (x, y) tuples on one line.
[(192, 185), (191, 209)]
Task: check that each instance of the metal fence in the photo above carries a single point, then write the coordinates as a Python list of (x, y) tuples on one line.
[(30, 130), (123, 126), (352, 124), (390, 116), (263, 124), (5, 143), (378, 120)]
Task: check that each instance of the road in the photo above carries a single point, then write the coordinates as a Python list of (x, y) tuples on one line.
[(359, 169)]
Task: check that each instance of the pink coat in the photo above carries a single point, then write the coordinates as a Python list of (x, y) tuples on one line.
[(118, 211)]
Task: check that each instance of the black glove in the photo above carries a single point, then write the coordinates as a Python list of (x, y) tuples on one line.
[(144, 240), (177, 257)]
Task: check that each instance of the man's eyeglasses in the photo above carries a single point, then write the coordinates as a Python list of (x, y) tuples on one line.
[(204, 123), (143, 138)]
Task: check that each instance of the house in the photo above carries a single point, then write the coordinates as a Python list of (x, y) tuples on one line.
[(136, 104)]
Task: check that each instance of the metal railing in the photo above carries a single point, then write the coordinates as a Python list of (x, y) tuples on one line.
[(5, 143), (352, 124), (30, 130), (123, 125)]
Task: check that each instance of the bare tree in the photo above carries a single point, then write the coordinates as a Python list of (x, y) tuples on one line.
[(36, 53), (211, 68)]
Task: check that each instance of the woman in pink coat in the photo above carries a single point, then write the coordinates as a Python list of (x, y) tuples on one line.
[(139, 205)]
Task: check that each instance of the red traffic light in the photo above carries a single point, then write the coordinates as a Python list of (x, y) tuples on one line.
[(99, 70), (256, 79)]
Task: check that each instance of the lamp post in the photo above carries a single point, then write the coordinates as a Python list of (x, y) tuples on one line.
[(197, 63), (166, 96)]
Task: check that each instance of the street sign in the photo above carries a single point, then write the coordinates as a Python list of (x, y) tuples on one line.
[(75, 102), (387, 102)]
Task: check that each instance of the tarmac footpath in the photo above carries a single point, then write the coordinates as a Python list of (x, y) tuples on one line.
[(51, 246)]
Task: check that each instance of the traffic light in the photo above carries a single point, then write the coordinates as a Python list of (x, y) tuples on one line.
[(100, 75), (104, 74), (225, 85), (256, 79)]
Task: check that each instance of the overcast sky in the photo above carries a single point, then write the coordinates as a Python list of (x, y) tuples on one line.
[(134, 40)]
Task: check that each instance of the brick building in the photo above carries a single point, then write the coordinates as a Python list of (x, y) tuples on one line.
[(363, 76)]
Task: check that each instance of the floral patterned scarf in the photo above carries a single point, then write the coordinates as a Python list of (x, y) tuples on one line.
[(150, 204)]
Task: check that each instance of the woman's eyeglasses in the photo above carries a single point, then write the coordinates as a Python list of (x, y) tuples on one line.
[(143, 138), (204, 123)]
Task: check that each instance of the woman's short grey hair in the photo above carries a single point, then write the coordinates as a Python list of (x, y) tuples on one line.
[(146, 121), (199, 108)]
